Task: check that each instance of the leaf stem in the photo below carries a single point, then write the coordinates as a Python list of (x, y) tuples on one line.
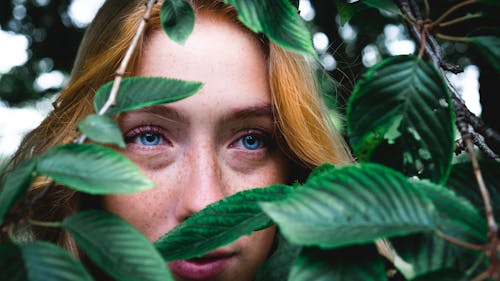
[(120, 72), (460, 19), (460, 243), (490, 216), (451, 10), (452, 38), (427, 9), (45, 223), (422, 42)]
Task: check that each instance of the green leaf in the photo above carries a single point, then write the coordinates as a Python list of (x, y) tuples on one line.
[(177, 19), (463, 182), (12, 263), (354, 205), (92, 169), (39, 261), (320, 171), (115, 246), (279, 20), (348, 10), (131, 94), (15, 184), (278, 265), (220, 223), (352, 263), (415, 119), (457, 216), (489, 47), (426, 253), (384, 5), (102, 129)]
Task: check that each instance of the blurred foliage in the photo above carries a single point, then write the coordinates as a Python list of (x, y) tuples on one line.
[(53, 41)]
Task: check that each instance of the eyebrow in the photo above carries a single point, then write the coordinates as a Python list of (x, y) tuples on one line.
[(164, 112), (264, 110)]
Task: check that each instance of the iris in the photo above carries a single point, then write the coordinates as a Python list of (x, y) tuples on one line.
[(251, 142), (149, 139)]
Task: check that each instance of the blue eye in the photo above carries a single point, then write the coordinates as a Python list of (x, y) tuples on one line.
[(149, 139), (252, 142)]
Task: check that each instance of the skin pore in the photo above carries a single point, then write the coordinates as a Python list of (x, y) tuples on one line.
[(206, 147)]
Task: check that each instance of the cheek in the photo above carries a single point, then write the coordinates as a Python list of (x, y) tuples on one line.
[(144, 210), (273, 171), (255, 249)]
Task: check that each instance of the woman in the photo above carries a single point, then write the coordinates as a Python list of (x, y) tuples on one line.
[(257, 121)]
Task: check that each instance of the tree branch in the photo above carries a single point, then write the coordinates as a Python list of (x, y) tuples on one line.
[(464, 121)]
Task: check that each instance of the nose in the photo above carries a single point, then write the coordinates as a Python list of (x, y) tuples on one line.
[(203, 183)]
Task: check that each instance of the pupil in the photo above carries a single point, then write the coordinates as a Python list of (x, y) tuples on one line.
[(250, 140), (150, 138)]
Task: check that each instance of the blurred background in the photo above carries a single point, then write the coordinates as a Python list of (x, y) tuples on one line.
[(39, 40)]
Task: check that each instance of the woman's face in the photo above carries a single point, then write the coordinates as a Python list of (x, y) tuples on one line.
[(206, 147)]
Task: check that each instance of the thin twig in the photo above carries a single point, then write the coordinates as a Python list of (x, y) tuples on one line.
[(460, 243), (451, 38), (45, 223), (482, 276), (422, 42), (460, 19), (427, 9), (451, 10), (120, 72), (490, 216)]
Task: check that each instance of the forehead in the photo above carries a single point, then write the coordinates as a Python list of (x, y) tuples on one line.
[(226, 58)]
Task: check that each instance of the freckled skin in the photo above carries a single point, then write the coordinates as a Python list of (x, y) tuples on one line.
[(202, 160)]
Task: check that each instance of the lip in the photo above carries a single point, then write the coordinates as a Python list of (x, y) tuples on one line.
[(208, 266)]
